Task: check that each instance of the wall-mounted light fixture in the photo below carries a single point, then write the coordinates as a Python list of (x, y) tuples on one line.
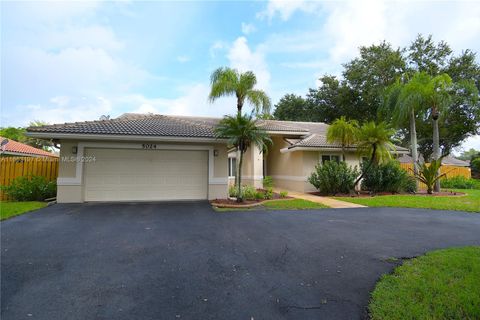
[(215, 153), (74, 150)]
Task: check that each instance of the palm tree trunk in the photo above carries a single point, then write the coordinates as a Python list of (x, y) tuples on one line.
[(239, 179), (436, 144), (372, 159), (239, 106), (413, 143)]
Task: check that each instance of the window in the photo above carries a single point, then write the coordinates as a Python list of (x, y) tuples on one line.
[(232, 166), (327, 157)]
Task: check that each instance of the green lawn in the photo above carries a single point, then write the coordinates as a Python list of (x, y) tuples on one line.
[(294, 204), (443, 284), (10, 209), (470, 202)]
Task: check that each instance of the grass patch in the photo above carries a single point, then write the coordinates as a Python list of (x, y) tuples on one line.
[(470, 202), (294, 204), (10, 209), (443, 284)]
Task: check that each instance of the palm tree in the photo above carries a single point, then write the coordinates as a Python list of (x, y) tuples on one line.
[(437, 96), (405, 100), (374, 140), (241, 132), (231, 82), (344, 132)]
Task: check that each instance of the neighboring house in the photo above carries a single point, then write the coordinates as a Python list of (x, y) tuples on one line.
[(14, 148), (447, 161), (147, 157)]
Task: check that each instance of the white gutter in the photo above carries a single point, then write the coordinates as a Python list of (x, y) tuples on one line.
[(111, 137)]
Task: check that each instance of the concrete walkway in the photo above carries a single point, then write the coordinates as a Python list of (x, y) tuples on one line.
[(332, 203)]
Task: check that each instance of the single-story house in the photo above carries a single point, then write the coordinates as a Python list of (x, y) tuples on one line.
[(150, 157), (12, 148)]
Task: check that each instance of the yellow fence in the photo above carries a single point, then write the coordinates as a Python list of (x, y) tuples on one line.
[(13, 167), (450, 171)]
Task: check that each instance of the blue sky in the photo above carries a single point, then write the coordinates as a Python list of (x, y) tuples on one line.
[(75, 61)]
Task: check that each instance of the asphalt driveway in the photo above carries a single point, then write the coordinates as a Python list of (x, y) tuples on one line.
[(185, 261)]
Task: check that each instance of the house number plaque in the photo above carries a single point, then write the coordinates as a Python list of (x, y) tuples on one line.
[(149, 146)]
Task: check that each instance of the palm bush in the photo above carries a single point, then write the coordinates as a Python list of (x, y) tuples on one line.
[(241, 132), (332, 177), (428, 174), (374, 141)]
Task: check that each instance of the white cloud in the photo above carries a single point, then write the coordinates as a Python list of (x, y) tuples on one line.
[(183, 58), (248, 28), (286, 8), (63, 109), (193, 100), (244, 59)]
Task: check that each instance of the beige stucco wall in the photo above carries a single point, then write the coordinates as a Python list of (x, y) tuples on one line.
[(290, 170), (68, 193)]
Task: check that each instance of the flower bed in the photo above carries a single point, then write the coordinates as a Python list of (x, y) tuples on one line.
[(232, 202)]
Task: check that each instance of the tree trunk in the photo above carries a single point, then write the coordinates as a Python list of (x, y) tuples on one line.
[(239, 106), (239, 179), (436, 144), (413, 143), (372, 159)]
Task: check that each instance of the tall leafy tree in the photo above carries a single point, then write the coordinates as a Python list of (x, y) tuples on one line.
[(12, 133), (242, 132), (291, 108), (344, 132), (231, 82), (374, 141), (359, 92)]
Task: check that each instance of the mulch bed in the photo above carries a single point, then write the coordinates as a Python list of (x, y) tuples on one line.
[(366, 194), (232, 202)]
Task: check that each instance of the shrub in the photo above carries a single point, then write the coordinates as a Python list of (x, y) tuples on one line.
[(410, 185), (283, 194), (387, 177), (460, 182), (259, 196), (332, 177), (268, 182), (35, 188), (232, 191), (268, 194), (249, 192)]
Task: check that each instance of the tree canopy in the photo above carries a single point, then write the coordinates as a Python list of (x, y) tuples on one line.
[(360, 91)]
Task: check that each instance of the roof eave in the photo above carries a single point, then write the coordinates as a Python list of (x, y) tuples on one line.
[(111, 137), (332, 148)]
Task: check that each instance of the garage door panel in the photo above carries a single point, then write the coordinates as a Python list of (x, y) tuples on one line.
[(129, 175)]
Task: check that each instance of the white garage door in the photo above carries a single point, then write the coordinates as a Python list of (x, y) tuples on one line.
[(146, 175)]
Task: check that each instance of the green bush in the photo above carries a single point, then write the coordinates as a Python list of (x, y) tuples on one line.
[(35, 188), (249, 192), (283, 194), (268, 194), (387, 177), (460, 182), (410, 185), (332, 177)]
